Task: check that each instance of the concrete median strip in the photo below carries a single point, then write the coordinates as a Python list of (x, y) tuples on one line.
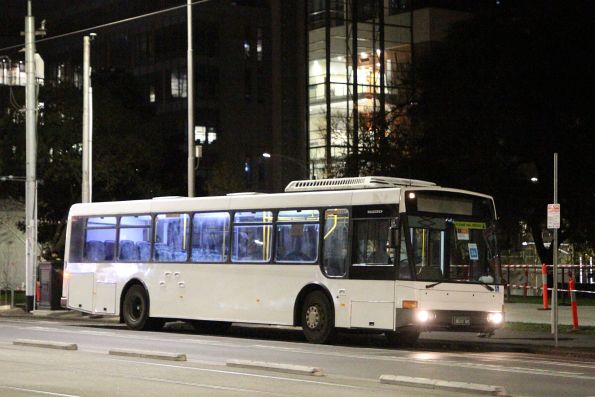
[(475, 388), (149, 354), (277, 367), (45, 344)]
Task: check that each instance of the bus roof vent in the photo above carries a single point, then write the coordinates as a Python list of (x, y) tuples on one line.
[(365, 182)]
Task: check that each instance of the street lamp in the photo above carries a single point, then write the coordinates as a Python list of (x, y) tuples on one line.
[(12, 178), (300, 163)]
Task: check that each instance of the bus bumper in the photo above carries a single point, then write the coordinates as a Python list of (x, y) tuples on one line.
[(450, 320)]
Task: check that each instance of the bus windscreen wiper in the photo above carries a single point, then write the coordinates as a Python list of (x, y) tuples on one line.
[(487, 286), (434, 284)]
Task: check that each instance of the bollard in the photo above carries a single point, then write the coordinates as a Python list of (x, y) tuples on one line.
[(544, 282), (38, 291), (573, 305)]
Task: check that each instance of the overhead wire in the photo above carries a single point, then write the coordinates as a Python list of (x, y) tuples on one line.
[(106, 25)]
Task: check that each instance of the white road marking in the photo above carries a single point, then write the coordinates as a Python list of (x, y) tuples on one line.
[(47, 393), (205, 386), (283, 378)]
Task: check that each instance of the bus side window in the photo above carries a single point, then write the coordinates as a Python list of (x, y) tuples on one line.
[(336, 240), (135, 238), (77, 239), (171, 237), (252, 236), (297, 236), (100, 238), (210, 236)]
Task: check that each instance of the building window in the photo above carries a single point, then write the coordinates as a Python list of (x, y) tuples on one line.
[(152, 97), (179, 82)]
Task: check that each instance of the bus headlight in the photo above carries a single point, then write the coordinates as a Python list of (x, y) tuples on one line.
[(423, 316), (495, 318)]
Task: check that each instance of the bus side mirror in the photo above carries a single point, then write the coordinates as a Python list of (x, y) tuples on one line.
[(393, 235)]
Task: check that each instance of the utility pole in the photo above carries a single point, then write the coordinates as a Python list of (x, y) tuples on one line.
[(31, 159), (190, 77), (555, 258), (87, 111)]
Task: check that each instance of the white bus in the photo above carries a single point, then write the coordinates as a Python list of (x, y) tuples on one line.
[(379, 254)]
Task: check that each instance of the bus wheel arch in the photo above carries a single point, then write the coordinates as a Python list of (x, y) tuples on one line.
[(135, 307), (314, 311)]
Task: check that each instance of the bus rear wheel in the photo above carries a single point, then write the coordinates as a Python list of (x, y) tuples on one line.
[(317, 318), (402, 337), (135, 310)]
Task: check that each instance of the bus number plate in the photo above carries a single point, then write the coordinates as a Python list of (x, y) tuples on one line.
[(460, 320)]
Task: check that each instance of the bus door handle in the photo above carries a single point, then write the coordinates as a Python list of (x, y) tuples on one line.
[(181, 284)]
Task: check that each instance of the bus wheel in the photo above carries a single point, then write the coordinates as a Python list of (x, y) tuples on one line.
[(403, 337), (317, 318), (135, 310)]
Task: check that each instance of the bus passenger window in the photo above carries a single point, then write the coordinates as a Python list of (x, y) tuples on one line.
[(77, 239), (134, 240), (100, 238), (210, 236), (336, 240), (171, 237), (297, 236), (252, 236)]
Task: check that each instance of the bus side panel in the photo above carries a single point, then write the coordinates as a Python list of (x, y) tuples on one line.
[(372, 303), (229, 292), (80, 291)]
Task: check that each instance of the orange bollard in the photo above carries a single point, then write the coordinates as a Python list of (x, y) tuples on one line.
[(37, 292), (573, 305), (544, 281)]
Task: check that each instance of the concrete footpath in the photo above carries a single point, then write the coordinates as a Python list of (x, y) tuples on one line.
[(574, 344)]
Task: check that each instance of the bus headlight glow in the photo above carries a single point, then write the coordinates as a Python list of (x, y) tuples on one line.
[(495, 318), (423, 316)]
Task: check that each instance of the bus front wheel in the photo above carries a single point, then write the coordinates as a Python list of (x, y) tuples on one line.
[(317, 318), (135, 310)]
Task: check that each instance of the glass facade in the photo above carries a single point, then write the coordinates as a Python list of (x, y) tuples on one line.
[(359, 53)]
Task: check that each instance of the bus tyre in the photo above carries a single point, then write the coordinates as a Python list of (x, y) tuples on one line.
[(317, 318), (402, 338), (135, 310)]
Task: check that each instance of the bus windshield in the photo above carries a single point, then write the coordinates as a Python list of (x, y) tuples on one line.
[(443, 249)]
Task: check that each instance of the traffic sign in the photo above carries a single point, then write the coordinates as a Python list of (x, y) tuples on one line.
[(553, 216)]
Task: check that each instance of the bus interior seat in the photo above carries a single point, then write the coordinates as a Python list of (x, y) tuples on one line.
[(128, 251), (95, 250)]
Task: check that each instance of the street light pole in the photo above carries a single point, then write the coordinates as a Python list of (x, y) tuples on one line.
[(86, 189), (190, 79), (31, 159)]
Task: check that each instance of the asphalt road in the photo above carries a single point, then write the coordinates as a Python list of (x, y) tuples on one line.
[(351, 367)]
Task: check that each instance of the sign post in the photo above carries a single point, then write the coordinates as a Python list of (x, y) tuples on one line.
[(553, 222)]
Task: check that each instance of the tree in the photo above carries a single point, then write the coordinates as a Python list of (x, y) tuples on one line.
[(498, 97), (130, 159)]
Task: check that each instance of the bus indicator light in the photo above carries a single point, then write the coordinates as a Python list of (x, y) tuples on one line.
[(409, 304)]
